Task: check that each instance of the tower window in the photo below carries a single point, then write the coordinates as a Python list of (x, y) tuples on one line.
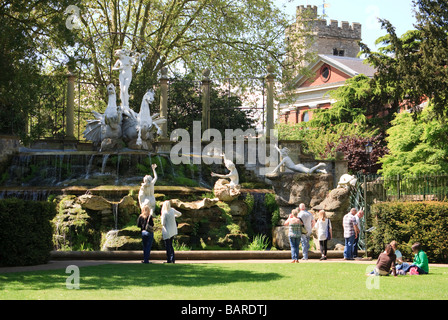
[(338, 52)]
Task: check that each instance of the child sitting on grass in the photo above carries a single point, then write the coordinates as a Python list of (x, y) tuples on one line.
[(420, 260)]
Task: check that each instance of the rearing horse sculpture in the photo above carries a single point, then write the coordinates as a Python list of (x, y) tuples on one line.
[(138, 128)]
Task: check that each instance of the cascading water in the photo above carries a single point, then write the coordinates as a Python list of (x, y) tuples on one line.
[(115, 214)]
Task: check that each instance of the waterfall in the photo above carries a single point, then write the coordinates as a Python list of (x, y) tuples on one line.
[(260, 219), (118, 169), (161, 165), (103, 166), (89, 166), (115, 213)]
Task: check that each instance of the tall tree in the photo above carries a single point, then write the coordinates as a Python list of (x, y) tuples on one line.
[(416, 64), (233, 38), (29, 30)]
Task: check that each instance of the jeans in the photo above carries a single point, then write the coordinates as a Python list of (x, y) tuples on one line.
[(305, 239), (147, 238), (355, 247), (169, 250), (348, 249), (294, 242)]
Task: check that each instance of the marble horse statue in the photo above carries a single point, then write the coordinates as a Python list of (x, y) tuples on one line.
[(139, 128), (122, 125), (106, 130)]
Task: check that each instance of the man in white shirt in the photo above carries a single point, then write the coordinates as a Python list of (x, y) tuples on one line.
[(308, 221)]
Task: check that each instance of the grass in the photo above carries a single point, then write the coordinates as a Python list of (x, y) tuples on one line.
[(235, 281)]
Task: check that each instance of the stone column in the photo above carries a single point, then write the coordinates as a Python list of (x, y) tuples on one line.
[(164, 101), (70, 107), (206, 101), (269, 101)]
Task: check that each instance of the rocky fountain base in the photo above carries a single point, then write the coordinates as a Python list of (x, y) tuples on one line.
[(315, 191)]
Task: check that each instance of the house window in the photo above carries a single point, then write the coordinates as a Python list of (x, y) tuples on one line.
[(305, 116), (325, 73)]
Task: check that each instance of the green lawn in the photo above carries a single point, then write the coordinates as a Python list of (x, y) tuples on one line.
[(238, 281)]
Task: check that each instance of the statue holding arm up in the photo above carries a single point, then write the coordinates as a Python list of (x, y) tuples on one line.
[(146, 192)]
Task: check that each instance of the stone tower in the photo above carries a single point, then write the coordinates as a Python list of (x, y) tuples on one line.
[(329, 39)]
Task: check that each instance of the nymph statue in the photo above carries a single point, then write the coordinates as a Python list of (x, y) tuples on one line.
[(124, 64), (146, 192), (284, 153), (227, 190)]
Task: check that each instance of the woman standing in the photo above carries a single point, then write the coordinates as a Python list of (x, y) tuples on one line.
[(324, 233), (146, 224), (295, 234), (169, 229)]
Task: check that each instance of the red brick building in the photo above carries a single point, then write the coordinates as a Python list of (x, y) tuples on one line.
[(330, 73), (337, 48)]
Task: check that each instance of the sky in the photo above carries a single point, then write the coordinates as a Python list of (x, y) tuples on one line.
[(398, 12)]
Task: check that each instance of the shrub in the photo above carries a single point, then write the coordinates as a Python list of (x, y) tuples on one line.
[(25, 232), (259, 243), (409, 222)]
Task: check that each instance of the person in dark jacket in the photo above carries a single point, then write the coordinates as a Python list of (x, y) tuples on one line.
[(146, 223)]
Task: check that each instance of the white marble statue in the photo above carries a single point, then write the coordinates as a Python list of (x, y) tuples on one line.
[(227, 190), (124, 64), (232, 175), (146, 193), (347, 180), (284, 153), (138, 128), (120, 126), (106, 128)]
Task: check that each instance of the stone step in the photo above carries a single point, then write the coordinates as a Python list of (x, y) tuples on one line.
[(190, 255)]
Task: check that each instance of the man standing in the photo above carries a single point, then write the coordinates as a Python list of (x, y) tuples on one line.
[(358, 218), (308, 221), (351, 232)]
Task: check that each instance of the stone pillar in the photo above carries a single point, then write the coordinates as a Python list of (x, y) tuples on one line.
[(269, 101), (70, 107), (164, 100), (206, 101)]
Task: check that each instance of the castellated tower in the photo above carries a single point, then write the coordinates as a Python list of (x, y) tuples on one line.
[(329, 39)]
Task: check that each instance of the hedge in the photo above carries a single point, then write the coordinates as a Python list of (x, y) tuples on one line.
[(410, 222), (25, 232)]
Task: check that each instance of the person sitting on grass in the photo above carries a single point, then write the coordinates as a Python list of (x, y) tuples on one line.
[(420, 259), (385, 263), (399, 263)]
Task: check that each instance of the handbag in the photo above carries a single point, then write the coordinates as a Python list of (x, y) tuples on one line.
[(328, 230), (149, 227)]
